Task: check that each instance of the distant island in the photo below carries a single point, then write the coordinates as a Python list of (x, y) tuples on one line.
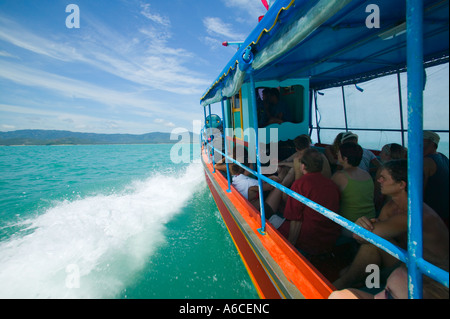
[(53, 137)]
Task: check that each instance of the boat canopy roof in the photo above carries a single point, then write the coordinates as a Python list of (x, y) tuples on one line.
[(332, 43)]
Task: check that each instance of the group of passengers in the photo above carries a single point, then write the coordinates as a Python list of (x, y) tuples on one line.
[(353, 193)]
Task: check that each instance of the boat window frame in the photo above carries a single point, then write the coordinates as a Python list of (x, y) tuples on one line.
[(235, 110)]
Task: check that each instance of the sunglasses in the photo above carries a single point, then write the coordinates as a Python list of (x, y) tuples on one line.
[(388, 294)]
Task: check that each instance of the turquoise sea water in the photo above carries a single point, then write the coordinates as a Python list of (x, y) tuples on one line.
[(117, 221)]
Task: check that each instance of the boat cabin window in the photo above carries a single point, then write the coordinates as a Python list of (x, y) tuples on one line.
[(279, 105), (376, 110), (236, 115)]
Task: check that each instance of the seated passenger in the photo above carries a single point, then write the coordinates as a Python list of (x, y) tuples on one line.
[(331, 152), (263, 107), (308, 230), (392, 225), (396, 288), (392, 151), (278, 110), (249, 188), (302, 144), (435, 176), (240, 154), (355, 184), (368, 157), (243, 182), (389, 152)]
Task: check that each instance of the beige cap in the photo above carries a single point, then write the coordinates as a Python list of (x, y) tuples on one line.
[(348, 135), (429, 135)]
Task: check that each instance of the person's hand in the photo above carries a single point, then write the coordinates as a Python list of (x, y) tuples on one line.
[(365, 223)]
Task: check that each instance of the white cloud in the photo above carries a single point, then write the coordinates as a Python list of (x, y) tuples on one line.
[(73, 70), (164, 122), (8, 127), (7, 54), (32, 117), (216, 27), (253, 8), (15, 34), (146, 12), (146, 60)]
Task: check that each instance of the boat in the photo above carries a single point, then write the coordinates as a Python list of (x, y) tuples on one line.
[(303, 48)]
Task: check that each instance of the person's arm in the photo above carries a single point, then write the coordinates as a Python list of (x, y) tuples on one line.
[(294, 231), (253, 191), (290, 158), (329, 155), (340, 180), (287, 164), (294, 213), (429, 169), (392, 228), (297, 168), (388, 226), (326, 170), (376, 162)]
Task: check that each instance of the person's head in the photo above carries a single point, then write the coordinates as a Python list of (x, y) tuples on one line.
[(266, 94), (312, 161), (397, 287), (394, 177), (302, 142), (236, 169), (274, 95), (350, 152), (430, 142), (349, 137), (392, 151), (337, 142)]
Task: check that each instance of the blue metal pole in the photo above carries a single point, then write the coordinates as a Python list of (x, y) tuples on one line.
[(206, 145), (258, 162), (345, 109), (317, 115), (414, 19), (212, 141), (224, 127), (400, 102)]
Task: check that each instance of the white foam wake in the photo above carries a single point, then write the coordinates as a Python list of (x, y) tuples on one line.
[(92, 247)]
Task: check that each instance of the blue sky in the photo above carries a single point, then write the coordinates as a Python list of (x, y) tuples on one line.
[(133, 66)]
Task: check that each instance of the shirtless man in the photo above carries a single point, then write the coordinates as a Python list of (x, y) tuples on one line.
[(392, 225), (435, 175)]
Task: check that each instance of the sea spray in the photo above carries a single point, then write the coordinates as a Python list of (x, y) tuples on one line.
[(103, 239)]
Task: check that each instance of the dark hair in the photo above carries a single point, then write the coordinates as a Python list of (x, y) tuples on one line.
[(236, 169), (398, 169), (303, 141), (395, 151), (313, 160), (275, 92), (353, 152)]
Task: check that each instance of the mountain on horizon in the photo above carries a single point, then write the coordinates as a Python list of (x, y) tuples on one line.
[(54, 137)]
